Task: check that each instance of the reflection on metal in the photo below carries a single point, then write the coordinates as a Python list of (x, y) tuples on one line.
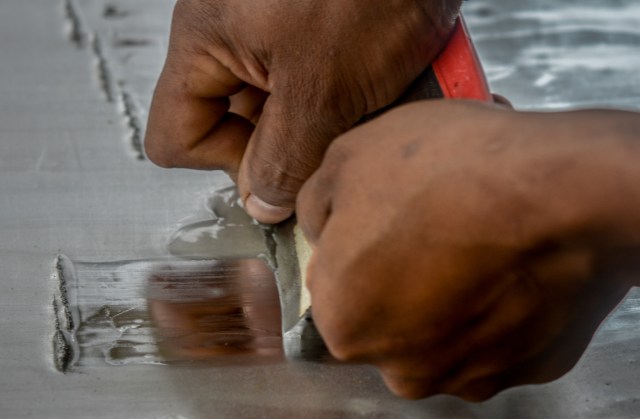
[(165, 311), (228, 314), (215, 299)]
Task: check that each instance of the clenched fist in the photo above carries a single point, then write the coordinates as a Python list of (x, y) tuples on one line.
[(260, 88), (464, 248)]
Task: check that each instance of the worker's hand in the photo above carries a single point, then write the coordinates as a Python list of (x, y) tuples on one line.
[(464, 248), (300, 73)]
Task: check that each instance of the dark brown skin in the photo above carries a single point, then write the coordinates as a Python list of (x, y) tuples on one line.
[(461, 248), (260, 88), (465, 248)]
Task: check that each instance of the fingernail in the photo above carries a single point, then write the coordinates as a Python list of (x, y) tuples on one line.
[(266, 213)]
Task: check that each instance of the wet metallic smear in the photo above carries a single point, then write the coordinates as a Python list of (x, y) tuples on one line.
[(166, 311), (65, 347), (223, 230)]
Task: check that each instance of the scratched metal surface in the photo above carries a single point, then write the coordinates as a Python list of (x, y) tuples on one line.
[(75, 81)]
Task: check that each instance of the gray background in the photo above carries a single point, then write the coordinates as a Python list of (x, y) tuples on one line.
[(75, 85)]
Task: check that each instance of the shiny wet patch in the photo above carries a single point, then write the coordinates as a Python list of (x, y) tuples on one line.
[(222, 312)]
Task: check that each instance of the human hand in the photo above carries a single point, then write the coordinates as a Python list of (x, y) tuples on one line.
[(261, 88), (464, 248)]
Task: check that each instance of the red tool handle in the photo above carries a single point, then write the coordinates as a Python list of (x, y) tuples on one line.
[(458, 69), (455, 74)]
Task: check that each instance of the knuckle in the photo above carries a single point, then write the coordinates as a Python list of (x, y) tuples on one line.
[(339, 331), (479, 392), (201, 10), (159, 155), (205, 20), (182, 14), (401, 384), (163, 150), (181, 9), (343, 339), (349, 330), (342, 346), (412, 391), (274, 182)]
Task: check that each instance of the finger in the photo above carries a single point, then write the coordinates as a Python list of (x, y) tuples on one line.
[(189, 123), (313, 207), (248, 103), (285, 149), (490, 378)]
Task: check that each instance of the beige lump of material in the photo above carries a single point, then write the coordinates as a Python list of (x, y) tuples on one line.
[(303, 251)]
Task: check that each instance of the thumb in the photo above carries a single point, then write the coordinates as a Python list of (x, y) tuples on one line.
[(285, 149)]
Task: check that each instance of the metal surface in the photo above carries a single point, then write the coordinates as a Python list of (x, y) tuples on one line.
[(75, 81)]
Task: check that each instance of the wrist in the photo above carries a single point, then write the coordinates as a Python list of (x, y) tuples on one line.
[(595, 188)]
